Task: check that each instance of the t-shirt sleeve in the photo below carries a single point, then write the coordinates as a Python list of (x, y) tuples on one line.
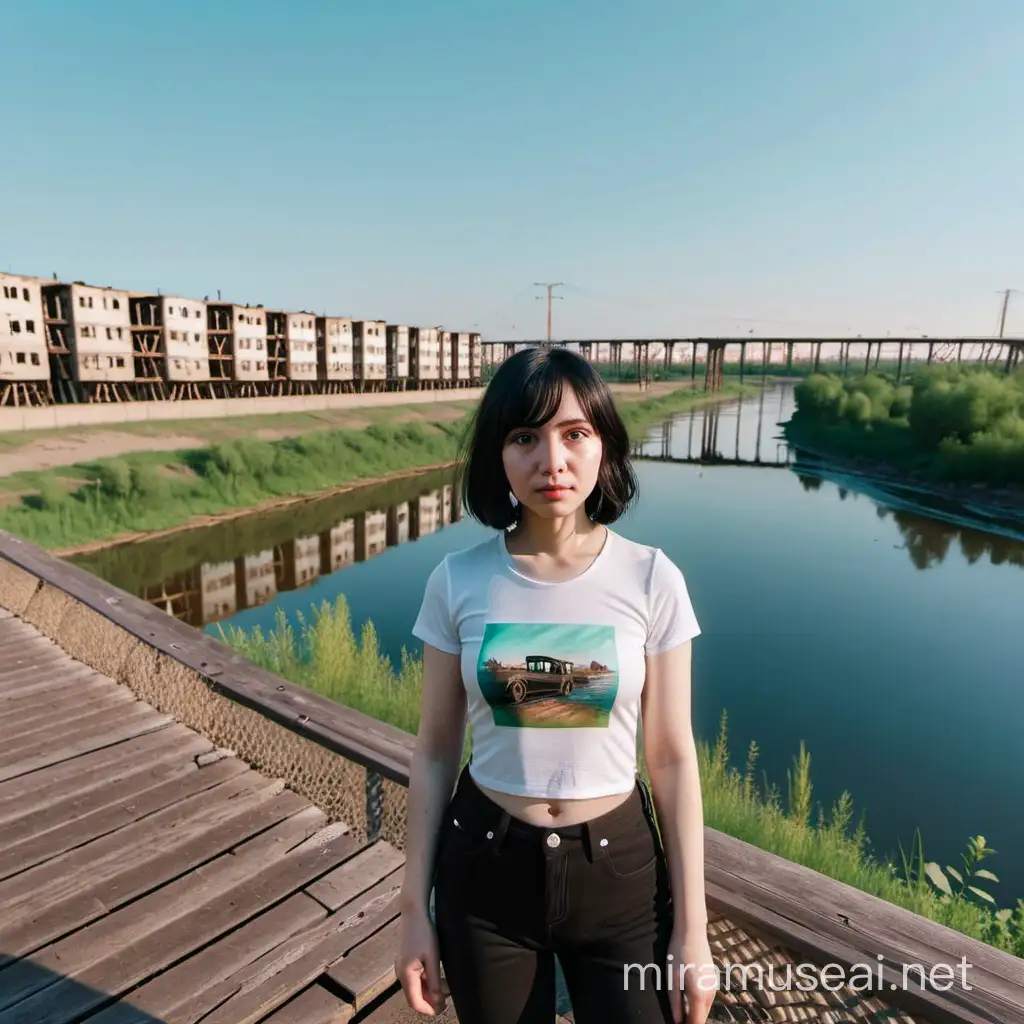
[(672, 618), (434, 623)]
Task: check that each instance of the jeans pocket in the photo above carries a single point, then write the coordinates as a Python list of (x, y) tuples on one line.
[(463, 841), (632, 854)]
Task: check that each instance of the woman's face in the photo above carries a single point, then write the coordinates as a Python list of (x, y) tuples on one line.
[(553, 468)]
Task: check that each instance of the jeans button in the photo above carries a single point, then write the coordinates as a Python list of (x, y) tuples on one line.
[(553, 839)]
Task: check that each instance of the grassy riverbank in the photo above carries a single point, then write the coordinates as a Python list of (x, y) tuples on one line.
[(325, 655), (961, 430), (144, 492)]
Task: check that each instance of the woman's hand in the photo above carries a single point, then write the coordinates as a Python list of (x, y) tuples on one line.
[(418, 965), (695, 974)]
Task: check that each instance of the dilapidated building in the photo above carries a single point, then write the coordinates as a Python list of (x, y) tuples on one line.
[(291, 352), (368, 347), (424, 357), (446, 340), (460, 358), (237, 343), (397, 356), (476, 359), (169, 346), (334, 352), (89, 337), (24, 366)]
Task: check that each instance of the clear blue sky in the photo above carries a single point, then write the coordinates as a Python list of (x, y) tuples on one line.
[(796, 166)]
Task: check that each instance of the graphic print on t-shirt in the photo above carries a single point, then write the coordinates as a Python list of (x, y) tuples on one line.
[(549, 675)]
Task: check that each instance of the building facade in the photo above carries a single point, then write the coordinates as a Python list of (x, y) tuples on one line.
[(237, 342), (23, 355), (301, 347), (92, 326), (334, 348), (424, 356), (368, 347), (397, 354), (169, 339)]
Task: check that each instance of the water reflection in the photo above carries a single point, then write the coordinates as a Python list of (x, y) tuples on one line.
[(206, 576)]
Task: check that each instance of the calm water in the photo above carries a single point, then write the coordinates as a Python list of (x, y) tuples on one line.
[(889, 640)]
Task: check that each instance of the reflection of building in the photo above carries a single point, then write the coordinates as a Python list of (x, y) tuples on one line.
[(371, 534), (340, 548), (257, 583), (428, 513), (307, 559), (398, 524), (217, 590), (220, 598)]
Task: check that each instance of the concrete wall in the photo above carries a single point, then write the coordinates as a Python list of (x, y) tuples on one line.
[(49, 417)]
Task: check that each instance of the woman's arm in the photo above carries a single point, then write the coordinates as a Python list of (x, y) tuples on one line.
[(435, 767), (670, 754)]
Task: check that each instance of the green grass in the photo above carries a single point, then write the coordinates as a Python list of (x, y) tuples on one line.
[(150, 491), (324, 655)]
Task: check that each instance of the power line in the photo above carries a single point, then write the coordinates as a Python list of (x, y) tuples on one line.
[(544, 284)]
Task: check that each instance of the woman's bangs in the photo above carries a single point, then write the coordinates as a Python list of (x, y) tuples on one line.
[(535, 402)]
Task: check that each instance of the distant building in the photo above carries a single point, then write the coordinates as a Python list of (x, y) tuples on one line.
[(446, 340), (371, 534), (424, 355), (334, 348), (169, 340), (397, 353), (237, 342), (291, 346), (460, 357), (398, 524), (476, 358), (22, 332), (89, 331), (368, 348)]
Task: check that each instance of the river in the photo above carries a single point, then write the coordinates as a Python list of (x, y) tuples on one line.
[(881, 628)]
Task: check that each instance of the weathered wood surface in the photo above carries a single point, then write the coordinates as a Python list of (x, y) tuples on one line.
[(142, 882)]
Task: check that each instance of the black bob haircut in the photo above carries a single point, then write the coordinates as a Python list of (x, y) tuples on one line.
[(526, 391)]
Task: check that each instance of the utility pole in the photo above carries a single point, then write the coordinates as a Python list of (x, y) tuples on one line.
[(1002, 327), (544, 284)]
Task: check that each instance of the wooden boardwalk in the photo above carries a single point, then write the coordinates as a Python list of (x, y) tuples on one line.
[(146, 876)]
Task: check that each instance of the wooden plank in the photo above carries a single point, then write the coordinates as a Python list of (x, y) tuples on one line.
[(82, 716), (66, 708), (55, 735), (38, 674), (315, 1005), (335, 889), (368, 970), (185, 837), (71, 779), (112, 955), (777, 889), (75, 678), (38, 839), (76, 746), (178, 994), (251, 994)]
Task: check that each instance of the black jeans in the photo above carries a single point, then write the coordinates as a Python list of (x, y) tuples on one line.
[(509, 895)]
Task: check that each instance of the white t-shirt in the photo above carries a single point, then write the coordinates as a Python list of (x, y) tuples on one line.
[(554, 670)]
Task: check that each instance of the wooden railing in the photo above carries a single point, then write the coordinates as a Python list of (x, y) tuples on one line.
[(825, 920)]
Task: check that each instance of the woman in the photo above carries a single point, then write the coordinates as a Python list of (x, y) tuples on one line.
[(554, 637)]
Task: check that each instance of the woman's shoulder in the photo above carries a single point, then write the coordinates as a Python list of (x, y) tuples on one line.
[(648, 564), (472, 558)]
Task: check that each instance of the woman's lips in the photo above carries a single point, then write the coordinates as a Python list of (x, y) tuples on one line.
[(555, 492)]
